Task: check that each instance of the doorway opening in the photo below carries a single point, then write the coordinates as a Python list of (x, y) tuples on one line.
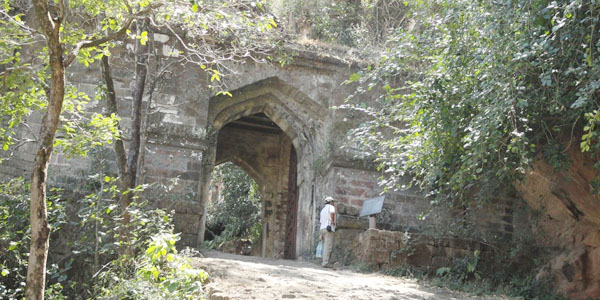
[(234, 222), (265, 152)]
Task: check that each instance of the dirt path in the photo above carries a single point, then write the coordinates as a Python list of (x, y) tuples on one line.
[(250, 277)]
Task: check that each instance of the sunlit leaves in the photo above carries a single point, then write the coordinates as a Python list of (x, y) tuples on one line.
[(590, 136), (81, 131), (172, 275), (77, 138), (481, 89), (143, 37), (14, 235), (237, 214), (215, 76), (21, 83)]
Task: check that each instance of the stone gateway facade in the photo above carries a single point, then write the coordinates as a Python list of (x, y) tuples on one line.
[(278, 125)]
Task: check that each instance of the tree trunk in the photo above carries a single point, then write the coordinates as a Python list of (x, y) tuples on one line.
[(111, 104), (144, 133), (40, 229), (128, 163), (141, 70)]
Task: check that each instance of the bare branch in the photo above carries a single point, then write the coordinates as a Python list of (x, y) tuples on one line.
[(110, 37), (61, 11), (126, 3)]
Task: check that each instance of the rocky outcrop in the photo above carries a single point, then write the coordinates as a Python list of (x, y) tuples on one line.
[(569, 221)]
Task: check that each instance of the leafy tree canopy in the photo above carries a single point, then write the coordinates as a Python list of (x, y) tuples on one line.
[(474, 90)]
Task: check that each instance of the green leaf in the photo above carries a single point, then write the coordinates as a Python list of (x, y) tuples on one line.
[(106, 179), (215, 76), (4, 272), (12, 245), (195, 7), (442, 271), (143, 37)]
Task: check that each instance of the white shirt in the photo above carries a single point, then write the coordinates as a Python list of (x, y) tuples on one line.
[(325, 217)]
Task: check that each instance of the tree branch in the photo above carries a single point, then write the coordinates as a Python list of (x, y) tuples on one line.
[(110, 37)]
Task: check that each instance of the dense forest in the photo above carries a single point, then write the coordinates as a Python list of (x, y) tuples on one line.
[(471, 96)]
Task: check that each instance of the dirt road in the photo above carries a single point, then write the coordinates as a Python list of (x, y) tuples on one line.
[(250, 277)]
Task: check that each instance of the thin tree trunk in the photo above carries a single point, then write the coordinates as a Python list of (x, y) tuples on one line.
[(111, 102), (40, 229), (96, 230), (144, 133), (141, 70), (127, 162)]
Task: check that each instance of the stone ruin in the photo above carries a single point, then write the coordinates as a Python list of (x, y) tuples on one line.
[(279, 126)]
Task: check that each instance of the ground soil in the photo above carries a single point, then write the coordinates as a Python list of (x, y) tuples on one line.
[(251, 277)]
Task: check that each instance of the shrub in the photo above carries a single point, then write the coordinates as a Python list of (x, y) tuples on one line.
[(15, 236), (158, 274), (236, 214)]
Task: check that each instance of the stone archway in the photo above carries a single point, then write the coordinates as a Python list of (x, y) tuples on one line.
[(288, 226)]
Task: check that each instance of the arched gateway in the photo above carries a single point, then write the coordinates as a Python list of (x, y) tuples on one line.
[(278, 127), (265, 128)]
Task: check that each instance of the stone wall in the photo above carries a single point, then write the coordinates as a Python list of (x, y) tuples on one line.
[(392, 249), (410, 211), (186, 137)]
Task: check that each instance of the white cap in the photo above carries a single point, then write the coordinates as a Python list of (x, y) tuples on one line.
[(329, 199)]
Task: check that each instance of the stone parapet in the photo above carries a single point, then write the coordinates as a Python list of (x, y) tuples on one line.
[(391, 249)]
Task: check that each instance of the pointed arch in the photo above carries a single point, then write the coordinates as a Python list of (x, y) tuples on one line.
[(294, 112)]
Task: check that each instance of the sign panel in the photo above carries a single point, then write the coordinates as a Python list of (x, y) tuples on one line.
[(372, 206)]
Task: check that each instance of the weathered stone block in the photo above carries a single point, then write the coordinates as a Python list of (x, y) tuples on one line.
[(352, 211), (464, 244), (436, 251), (397, 258), (350, 222), (420, 257), (190, 240), (439, 262)]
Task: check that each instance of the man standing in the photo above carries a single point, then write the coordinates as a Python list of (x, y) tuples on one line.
[(327, 219)]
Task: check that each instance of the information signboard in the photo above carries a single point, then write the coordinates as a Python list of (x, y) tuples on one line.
[(372, 206)]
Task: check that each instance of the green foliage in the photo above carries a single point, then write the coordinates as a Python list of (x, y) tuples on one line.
[(15, 236), (363, 25), (335, 22), (463, 269), (89, 227), (159, 274), (21, 85), (81, 131), (237, 213), (94, 228), (476, 89)]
